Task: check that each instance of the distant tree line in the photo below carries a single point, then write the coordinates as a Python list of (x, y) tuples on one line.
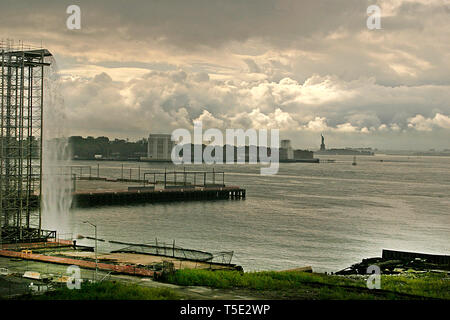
[(103, 148)]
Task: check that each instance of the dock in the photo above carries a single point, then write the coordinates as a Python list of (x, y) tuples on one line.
[(147, 187), (147, 260), (137, 195), (124, 269)]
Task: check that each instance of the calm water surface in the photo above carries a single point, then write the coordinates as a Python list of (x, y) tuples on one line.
[(327, 215)]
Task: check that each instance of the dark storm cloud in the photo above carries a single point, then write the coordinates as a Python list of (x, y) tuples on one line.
[(194, 23), (302, 66)]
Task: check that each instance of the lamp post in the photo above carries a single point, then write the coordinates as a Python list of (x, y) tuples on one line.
[(96, 264)]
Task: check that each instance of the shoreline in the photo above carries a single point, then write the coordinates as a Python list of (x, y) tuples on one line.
[(306, 286)]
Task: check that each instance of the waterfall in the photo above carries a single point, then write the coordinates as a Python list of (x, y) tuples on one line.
[(56, 180)]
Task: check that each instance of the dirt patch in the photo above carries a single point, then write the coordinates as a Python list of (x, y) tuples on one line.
[(140, 259)]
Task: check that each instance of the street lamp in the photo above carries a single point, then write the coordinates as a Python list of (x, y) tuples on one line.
[(96, 264)]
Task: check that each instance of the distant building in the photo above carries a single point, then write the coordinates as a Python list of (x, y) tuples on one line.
[(160, 147), (303, 154), (286, 151), (288, 154), (241, 153)]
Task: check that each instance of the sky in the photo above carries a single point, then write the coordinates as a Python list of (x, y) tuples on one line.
[(303, 67)]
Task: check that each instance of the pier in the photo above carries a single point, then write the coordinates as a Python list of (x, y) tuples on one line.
[(123, 269), (147, 260), (155, 186), (137, 195), (146, 186)]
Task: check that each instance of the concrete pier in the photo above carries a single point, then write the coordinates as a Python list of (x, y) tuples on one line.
[(101, 198), (147, 187)]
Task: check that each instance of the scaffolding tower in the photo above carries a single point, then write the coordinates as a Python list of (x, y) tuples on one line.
[(21, 120)]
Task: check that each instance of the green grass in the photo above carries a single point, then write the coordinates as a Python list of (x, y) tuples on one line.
[(430, 285), (319, 286), (254, 280), (108, 290), (267, 284)]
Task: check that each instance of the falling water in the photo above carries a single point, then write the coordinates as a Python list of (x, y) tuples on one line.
[(56, 180)]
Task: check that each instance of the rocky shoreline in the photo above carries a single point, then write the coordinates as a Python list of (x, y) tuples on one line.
[(400, 262)]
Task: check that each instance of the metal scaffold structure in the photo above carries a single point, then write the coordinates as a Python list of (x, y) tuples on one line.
[(21, 115)]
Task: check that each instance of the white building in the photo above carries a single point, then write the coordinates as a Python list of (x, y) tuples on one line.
[(160, 147)]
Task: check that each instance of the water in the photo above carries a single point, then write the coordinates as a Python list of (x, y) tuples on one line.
[(327, 215)]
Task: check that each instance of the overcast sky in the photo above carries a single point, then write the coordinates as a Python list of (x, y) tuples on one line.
[(305, 67)]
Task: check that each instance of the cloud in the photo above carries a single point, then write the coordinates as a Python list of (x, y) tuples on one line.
[(346, 127), (303, 66), (165, 100), (209, 121), (278, 119), (274, 38), (421, 123), (319, 124)]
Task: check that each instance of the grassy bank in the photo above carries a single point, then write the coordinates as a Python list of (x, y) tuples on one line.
[(298, 285), (428, 285), (107, 290), (264, 285)]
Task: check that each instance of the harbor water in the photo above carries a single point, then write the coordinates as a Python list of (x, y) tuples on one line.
[(327, 215)]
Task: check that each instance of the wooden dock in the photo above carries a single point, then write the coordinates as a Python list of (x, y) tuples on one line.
[(124, 269), (124, 261)]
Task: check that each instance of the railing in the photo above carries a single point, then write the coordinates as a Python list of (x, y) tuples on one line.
[(144, 177), (189, 178)]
